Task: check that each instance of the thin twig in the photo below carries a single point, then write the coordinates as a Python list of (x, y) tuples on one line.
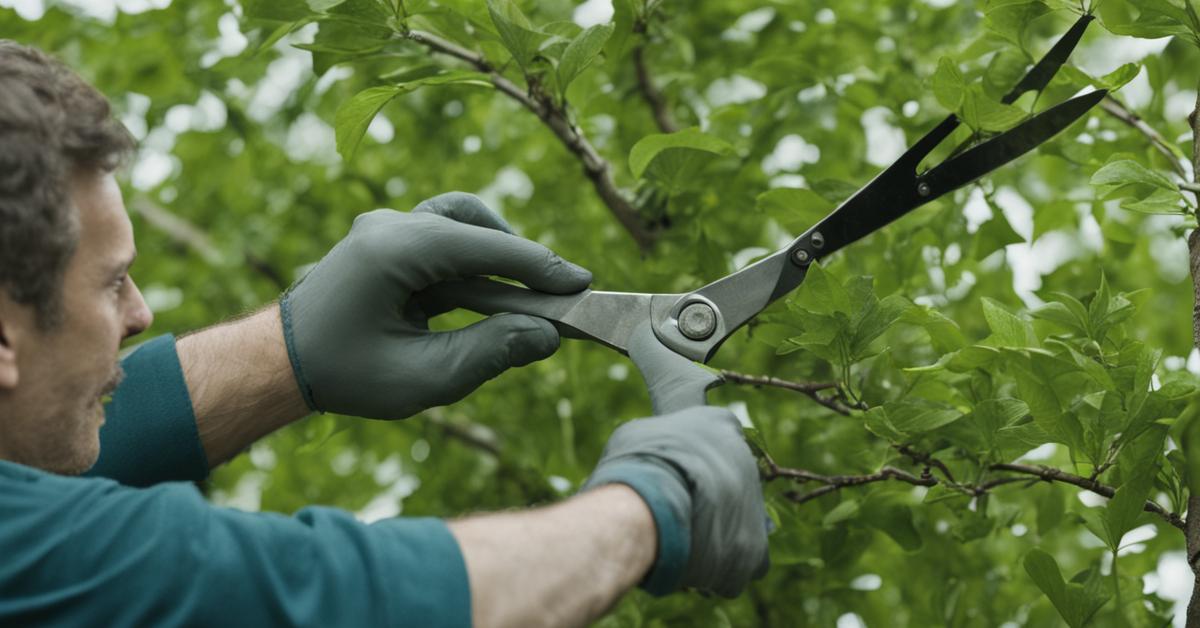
[(1117, 109), (654, 98), (597, 169), (925, 458), (1050, 474), (811, 389)]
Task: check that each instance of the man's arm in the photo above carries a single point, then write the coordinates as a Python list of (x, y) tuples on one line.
[(563, 565), (240, 382)]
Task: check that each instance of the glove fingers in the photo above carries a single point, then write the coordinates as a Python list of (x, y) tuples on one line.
[(480, 352), (465, 208), (457, 250)]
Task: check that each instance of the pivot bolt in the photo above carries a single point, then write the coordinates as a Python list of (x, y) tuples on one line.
[(698, 321), (801, 257), (923, 188), (818, 240)]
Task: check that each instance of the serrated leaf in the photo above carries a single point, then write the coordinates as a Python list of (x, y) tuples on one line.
[(581, 52), (917, 416), (652, 146), (982, 113)]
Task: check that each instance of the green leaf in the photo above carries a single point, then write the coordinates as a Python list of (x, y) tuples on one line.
[(917, 416), (1008, 329), (993, 236), (1075, 604), (1051, 508), (1166, 202), (983, 113), (795, 209), (948, 84), (516, 32), (355, 115), (581, 52), (888, 514), (1123, 172), (276, 10), (1149, 19), (652, 146), (822, 293), (844, 511)]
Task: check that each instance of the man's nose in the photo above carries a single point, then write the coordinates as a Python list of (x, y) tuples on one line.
[(138, 315)]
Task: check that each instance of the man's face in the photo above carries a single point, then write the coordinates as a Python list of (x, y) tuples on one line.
[(52, 384)]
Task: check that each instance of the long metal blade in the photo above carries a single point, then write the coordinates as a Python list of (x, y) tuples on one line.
[(609, 318), (1037, 78), (996, 152)]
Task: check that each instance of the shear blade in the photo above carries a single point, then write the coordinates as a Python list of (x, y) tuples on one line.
[(986, 157)]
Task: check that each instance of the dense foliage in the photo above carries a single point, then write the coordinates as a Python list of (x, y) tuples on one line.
[(963, 383)]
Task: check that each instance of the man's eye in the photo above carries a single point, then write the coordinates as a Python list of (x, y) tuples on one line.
[(119, 283)]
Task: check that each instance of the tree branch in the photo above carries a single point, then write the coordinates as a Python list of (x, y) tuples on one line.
[(1117, 109), (837, 482), (597, 169), (188, 235), (811, 389), (653, 97)]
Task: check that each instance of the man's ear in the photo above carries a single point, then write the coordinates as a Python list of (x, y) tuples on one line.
[(8, 357)]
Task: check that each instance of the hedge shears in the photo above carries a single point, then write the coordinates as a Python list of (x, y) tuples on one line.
[(693, 325)]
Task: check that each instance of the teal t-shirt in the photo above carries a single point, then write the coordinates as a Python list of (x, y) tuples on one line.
[(95, 551)]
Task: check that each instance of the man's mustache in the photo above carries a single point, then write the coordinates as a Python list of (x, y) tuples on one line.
[(115, 380)]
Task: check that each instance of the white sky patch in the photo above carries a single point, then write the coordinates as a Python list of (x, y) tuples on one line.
[(939, 4), (885, 143), (28, 9), (134, 118), (207, 115), (866, 582), (162, 298), (471, 144), (618, 372), (230, 42), (850, 620), (791, 152), (742, 258), (381, 129), (1090, 499), (1041, 452), (748, 24), (152, 168), (1175, 583), (742, 412), (283, 76), (509, 182), (734, 90), (812, 94), (788, 181), (593, 12), (311, 139), (826, 16)]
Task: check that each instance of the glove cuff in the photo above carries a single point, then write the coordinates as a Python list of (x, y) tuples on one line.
[(663, 491), (285, 315)]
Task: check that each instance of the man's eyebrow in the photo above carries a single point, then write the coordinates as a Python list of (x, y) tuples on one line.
[(123, 267)]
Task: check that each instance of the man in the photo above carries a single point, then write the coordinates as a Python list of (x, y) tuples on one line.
[(674, 502)]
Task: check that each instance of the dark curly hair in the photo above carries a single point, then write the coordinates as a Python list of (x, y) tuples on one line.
[(51, 123)]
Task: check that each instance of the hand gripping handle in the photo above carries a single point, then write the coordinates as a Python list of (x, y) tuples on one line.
[(674, 382)]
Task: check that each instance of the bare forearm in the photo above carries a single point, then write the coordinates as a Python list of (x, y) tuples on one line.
[(240, 381), (563, 565)]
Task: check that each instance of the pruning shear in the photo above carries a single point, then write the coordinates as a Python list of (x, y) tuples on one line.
[(692, 326)]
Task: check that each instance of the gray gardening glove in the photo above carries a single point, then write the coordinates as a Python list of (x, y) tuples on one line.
[(358, 343), (697, 475)]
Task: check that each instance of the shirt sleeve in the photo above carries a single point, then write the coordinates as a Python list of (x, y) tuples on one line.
[(149, 433), (82, 551)]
